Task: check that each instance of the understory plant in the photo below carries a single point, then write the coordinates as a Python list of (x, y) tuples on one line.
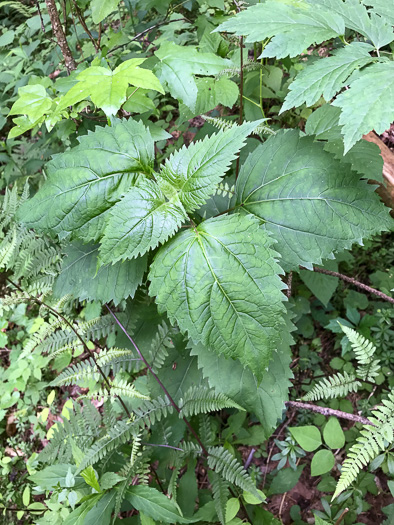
[(162, 267)]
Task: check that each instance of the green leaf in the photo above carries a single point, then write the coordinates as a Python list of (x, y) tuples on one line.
[(265, 399), (102, 8), (77, 516), (86, 181), (368, 104), (322, 286), (322, 462), (383, 8), (308, 437), (292, 28), (194, 172), (327, 76), (26, 496), (211, 92), (79, 276), (356, 17), (232, 508), (179, 64), (23, 124), (33, 102), (107, 89), (89, 476), (138, 102), (364, 157), (50, 476), (333, 434), (154, 504), (140, 221), (237, 307), (285, 480), (102, 511), (313, 204)]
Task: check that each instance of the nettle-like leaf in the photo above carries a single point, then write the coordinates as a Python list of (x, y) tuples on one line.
[(194, 172), (313, 204), (80, 277), (179, 64), (107, 89), (368, 104), (292, 28), (382, 8), (355, 16), (364, 157), (327, 76), (86, 181), (139, 222), (220, 283)]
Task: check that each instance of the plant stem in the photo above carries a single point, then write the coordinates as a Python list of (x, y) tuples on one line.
[(87, 349), (60, 36), (241, 94), (353, 281), (329, 412), (176, 407), (83, 23)]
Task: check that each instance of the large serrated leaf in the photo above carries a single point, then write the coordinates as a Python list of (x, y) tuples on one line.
[(140, 221), (178, 66), (293, 28), (194, 172), (364, 157), (86, 181), (220, 283), (266, 400), (327, 76), (106, 88), (79, 276), (356, 17), (312, 203), (368, 104)]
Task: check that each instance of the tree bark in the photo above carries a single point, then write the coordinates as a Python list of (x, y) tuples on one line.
[(60, 36)]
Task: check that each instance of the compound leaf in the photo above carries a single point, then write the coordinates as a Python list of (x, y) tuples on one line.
[(368, 104), (194, 172), (313, 203), (107, 89), (236, 308), (292, 28), (86, 181), (327, 76), (111, 283), (140, 221), (179, 64)]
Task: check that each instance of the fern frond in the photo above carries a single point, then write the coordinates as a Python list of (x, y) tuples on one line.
[(220, 490), (78, 373), (249, 65), (205, 429), (224, 463), (225, 190), (119, 434), (116, 359), (118, 388), (224, 125), (198, 400), (369, 444), (370, 371), (362, 347), (42, 333), (337, 385), (160, 344)]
